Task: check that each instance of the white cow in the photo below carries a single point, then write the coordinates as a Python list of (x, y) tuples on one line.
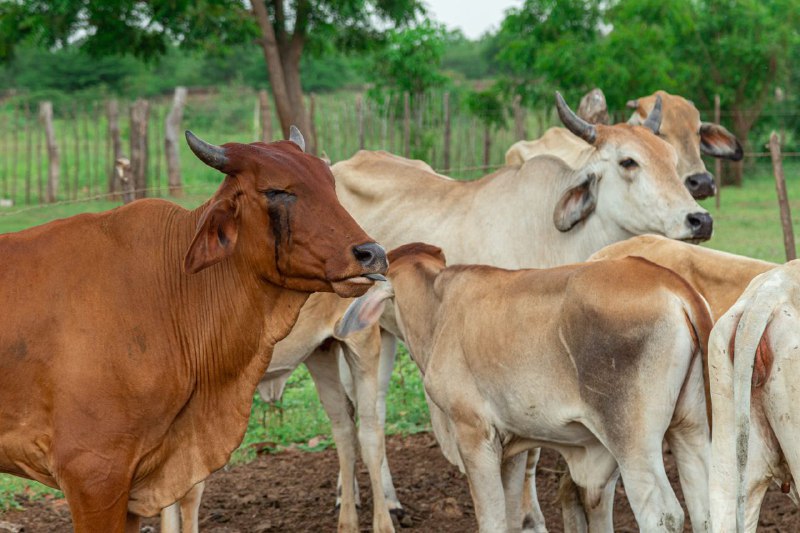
[(597, 360), (755, 399), (680, 127)]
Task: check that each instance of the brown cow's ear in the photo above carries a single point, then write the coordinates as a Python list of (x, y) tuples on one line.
[(716, 141), (215, 238), (576, 204), (365, 311)]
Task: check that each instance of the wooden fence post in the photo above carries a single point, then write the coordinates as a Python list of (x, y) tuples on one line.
[(116, 144), (519, 118), (54, 161), (140, 111), (783, 200), (447, 131), (717, 161), (87, 146), (77, 146), (97, 165), (360, 118), (406, 124), (28, 154), (122, 168), (266, 118), (39, 167), (487, 144), (312, 121), (14, 152), (172, 142)]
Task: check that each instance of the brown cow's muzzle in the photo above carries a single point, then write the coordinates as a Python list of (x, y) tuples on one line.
[(372, 259)]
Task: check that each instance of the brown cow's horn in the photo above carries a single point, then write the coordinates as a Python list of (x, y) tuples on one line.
[(573, 122), (653, 120), (296, 137), (212, 155)]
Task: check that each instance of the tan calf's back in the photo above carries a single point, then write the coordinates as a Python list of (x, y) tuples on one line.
[(720, 277)]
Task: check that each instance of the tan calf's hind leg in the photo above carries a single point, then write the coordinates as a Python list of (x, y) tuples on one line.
[(533, 520), (689, 439), (513, 475), (586, 491)]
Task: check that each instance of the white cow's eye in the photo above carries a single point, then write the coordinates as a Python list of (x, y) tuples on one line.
[(628, 163)]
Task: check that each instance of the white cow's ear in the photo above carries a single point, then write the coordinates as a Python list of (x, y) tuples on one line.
[(717, 141), (576, 204), (365, 311)]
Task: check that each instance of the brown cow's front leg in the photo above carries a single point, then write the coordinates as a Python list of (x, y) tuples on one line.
[(94, 513), (133, 523), (97, 486)]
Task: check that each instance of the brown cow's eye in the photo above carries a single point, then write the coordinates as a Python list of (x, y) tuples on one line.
[(278, 195), (628, 163)]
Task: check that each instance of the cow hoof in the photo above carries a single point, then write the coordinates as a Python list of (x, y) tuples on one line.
[(401, 518)]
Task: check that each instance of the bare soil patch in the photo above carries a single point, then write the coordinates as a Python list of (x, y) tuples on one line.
[(294, 491)]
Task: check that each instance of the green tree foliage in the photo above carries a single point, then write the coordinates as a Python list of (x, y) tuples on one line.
[(546, 44), (464, 58), (148, 29), (486, 106), (740, 49), (410, 60)]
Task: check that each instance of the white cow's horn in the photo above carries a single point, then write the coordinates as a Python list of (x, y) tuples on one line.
[(573, 122)]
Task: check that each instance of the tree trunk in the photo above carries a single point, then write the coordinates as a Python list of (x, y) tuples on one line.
[(272, 56), (282, 55), (172, 142)]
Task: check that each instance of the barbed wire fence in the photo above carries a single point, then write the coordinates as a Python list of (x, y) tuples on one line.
[(60, 154)]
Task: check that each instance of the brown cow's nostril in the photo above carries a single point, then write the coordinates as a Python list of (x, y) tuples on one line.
[(371, 256)]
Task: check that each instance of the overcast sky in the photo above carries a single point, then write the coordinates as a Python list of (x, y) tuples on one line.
[(474, 17)]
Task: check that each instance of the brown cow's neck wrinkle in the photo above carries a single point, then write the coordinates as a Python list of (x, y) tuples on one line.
[(220, 318)]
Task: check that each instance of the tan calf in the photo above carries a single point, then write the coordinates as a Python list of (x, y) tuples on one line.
[(597, 360)]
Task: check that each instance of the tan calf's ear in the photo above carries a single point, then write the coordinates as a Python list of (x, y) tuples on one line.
[(215, 238), (365, 311), (576, 204)]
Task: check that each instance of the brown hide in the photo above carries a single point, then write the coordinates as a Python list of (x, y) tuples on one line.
[(124, 380)]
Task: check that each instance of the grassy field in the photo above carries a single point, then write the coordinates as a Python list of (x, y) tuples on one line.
[(747, 223)]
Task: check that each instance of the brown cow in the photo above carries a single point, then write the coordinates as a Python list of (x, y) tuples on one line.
[(134, 339)]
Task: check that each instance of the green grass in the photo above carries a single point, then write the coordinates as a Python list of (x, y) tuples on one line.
[(747, 223)]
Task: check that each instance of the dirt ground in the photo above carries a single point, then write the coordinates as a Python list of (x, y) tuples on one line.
[(294, 491)]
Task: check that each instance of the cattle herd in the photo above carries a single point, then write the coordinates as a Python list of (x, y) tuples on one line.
[(559, 302)]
